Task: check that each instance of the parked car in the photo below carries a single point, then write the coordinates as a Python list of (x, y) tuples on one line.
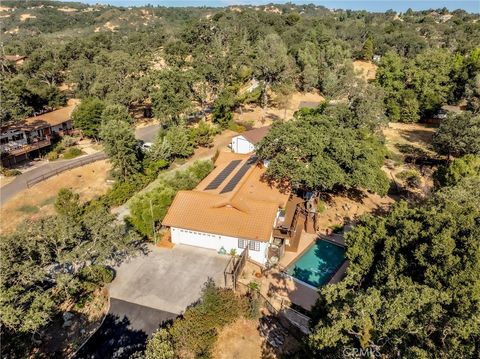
[(146, 146)]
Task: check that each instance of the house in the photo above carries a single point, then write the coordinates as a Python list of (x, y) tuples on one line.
[(246, 141), (24, 139), (231, 209)]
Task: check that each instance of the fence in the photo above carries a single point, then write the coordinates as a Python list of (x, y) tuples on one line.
[(77, 163)]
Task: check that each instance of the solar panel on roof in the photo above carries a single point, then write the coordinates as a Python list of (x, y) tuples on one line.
[(217, 181), (239, 175)]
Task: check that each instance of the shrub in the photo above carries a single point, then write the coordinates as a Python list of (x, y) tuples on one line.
[(195, 334), (96, 274), (72, 152), (69, 141), (233, 126), (52, 155), (29, 209), (10, 172), (122, 191), (411, 178)]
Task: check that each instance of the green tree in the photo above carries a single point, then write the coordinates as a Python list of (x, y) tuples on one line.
[(222, 108), (457, 170), (202, 134), (67, 204), (367, 50), (472, 94), (308, 61), (171, 97), (318, 151), (411, 288), (116, 113), (458, 135), (391, 77), (87, 116), (271, 62), (120, 145), (409, 107), (148, 210), (160, 346), (429, 77), (181, 144)]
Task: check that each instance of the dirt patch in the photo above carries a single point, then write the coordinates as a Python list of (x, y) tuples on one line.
[(239, 340), (5, 180), (5, 8), (109, 26), (25, 17), (365, 69), (413, 134), (340, 209), (67, 9), (89, 181), (279, 109)]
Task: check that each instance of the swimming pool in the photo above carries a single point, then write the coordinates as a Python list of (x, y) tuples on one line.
[(317, 265)]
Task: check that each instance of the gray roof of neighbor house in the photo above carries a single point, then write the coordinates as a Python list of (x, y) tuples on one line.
[(14, 58), (256, 135)]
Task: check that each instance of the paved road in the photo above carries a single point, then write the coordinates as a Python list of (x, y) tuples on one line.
[(124, 331), (20, 182), (147, 134)]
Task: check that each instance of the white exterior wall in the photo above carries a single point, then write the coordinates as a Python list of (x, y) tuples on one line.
[(241, 145), (216, 242)]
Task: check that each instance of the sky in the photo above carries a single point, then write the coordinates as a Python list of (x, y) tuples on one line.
[(369, 5)]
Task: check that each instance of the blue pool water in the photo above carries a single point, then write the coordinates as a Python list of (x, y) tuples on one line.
[(317, 265)]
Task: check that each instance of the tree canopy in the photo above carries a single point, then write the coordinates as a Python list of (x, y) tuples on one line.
[(412, 286), (319, 150), (458, 135)]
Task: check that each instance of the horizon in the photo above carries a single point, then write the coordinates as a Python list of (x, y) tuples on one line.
[(471, 6)]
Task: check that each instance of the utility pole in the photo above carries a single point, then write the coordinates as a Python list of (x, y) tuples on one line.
[(153, 224)]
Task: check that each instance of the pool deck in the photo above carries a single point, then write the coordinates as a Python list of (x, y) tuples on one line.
[(306, 240)]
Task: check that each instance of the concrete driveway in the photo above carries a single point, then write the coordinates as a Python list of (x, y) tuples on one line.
[(168, 279)]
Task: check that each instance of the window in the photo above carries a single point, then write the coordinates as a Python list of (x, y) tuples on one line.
[(242, 243), (254, 245)]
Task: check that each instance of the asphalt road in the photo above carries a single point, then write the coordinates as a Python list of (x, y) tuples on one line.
[(146, 134), (124, 331)]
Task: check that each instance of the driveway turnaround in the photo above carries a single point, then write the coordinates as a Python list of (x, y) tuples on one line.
[(124, 331), (168, 279)]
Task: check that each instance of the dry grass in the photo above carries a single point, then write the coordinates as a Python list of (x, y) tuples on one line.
[(254, 113), (88, 181), (414, 134), (366, 69), (25, 17), (239, 340)]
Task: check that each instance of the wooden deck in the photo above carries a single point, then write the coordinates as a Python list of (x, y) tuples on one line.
[(29, 148)]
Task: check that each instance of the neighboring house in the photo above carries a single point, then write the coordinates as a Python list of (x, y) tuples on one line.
[(246, 141), (24, 139), (15, 59), (231, 209), (445, 110)]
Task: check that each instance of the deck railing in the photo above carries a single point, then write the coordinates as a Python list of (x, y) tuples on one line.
[(28, 148)]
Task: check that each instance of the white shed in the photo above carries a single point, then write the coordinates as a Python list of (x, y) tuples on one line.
[(246, 141)]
